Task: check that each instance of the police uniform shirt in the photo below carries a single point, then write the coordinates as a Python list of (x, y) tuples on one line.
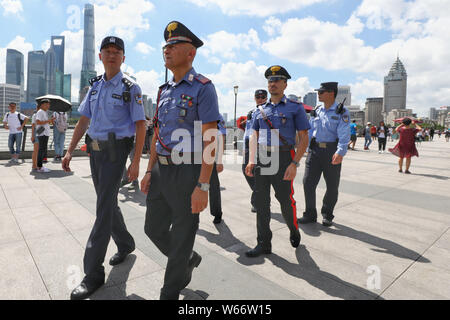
[(287, 116), (328, 126), (249, 125), (105, 106), (180, 104)]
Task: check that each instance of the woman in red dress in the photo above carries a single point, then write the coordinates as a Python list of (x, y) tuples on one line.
[(406, 147)]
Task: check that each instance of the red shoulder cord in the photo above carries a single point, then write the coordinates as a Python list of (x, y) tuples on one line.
[(155, 120)]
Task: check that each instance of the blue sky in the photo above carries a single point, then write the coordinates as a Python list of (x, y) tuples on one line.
[(352, 42)]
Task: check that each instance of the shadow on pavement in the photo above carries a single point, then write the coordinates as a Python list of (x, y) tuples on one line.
[(434, 176), (54, 174), (134, 195), (384, 245), (306, 268)]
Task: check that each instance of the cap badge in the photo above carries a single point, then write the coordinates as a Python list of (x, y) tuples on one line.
[(172, 27), (275, 69), (112, 40)]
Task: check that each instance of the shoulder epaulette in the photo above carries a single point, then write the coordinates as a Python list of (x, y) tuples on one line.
[(163, 85), (202, 79), (94, 80), (127, 82)]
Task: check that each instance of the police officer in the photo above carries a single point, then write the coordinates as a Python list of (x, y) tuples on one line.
[(330, 135), (276, 126), (177, 180), (113, 106), (260, 98), (215, 199)]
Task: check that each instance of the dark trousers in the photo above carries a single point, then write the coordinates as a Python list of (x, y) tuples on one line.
[(250, 180), (215, 200), (43, 142), (381, 144), (284, 192), (109, 221), (318, 162), (170, 223)]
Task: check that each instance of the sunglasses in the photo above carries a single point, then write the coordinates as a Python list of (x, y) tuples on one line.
[(260, 97), (323, 91)]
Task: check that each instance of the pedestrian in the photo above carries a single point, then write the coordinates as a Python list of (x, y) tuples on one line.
[(367, 136), (215, 200), (419, 136), (353, 138), (439, 132), (373, 132), (431, 134), (178, 174), (260, 99), (35, 142), (330, 135), (447, 135), (114, 108), (43, 133), (406, 148), (14, 122), (390, 134), (381, 135), (276, 126), (59, 134)]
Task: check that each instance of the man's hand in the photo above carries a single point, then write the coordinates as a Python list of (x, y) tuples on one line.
[(337, 159), (133, 171), (291, 172), (66, 162), (145, 183), (249, 169), (199, 201), (219, 168), (19, 128)]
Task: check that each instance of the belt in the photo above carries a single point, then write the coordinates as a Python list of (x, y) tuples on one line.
[(99, 145), (277, 148), (168, 161), (323, 145)]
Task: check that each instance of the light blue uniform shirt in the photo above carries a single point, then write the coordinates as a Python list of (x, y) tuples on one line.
[(249, 125), (108, 112), (181, 104), (328, 126), (287, 116)]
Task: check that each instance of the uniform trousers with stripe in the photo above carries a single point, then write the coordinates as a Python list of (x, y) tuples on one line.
[(170, 223), (284, 193)]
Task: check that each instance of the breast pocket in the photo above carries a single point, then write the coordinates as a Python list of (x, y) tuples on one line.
[(186, 112), (117, 110)]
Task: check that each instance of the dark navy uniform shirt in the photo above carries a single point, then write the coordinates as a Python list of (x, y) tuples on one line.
[(287, 116)]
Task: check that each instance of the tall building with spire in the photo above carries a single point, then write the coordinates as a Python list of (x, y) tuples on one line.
[(395, 88), (88, 66)]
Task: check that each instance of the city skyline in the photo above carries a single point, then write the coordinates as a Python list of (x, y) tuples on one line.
[(241, 41)]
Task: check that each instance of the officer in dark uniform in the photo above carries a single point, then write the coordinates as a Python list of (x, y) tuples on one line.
[(177, 180), (113, 106), (330, 135), (215, 199), (260, 98), (276, 126)]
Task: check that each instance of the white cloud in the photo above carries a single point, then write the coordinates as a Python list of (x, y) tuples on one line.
[(259, 8), (227, 45), (11, 7), (144, 48)]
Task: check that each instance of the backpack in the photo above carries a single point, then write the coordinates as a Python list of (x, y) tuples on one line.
[(61, 122), (18, 116)]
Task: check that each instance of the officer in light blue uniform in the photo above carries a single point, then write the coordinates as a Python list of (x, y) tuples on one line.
[(215, 199), (330, 135), (260, 98), (178, 190), (113, 107), (287, 119)]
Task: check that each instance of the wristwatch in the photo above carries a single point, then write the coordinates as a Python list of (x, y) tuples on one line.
[(203, 186), (296, 163)]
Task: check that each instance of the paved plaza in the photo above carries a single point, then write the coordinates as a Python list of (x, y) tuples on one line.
[(390, 240)]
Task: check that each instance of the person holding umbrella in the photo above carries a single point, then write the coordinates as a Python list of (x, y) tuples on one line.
[(406, 148), (43, 132)]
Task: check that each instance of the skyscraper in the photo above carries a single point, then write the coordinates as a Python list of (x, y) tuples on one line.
[(54, 66), (35, 75), (14, 70), (8, 93), (88, 66), (310, 99), (344, 92), (395, 87), (67, 87)]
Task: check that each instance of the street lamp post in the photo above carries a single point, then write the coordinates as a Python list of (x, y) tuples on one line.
[(236, 90)]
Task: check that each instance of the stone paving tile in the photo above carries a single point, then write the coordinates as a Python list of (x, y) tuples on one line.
[(9, 230)]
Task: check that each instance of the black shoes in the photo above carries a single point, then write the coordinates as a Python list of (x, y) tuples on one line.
[(307, 219), (194, 262), (327, 223), (257, 251), (118, 258), (295, 238), (84, 291), (407, 172), (217, 219)]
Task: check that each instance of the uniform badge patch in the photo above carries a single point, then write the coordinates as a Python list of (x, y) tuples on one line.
[(138, 99), (93, 92), (187, 100), (117, 96), (345, 118)]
